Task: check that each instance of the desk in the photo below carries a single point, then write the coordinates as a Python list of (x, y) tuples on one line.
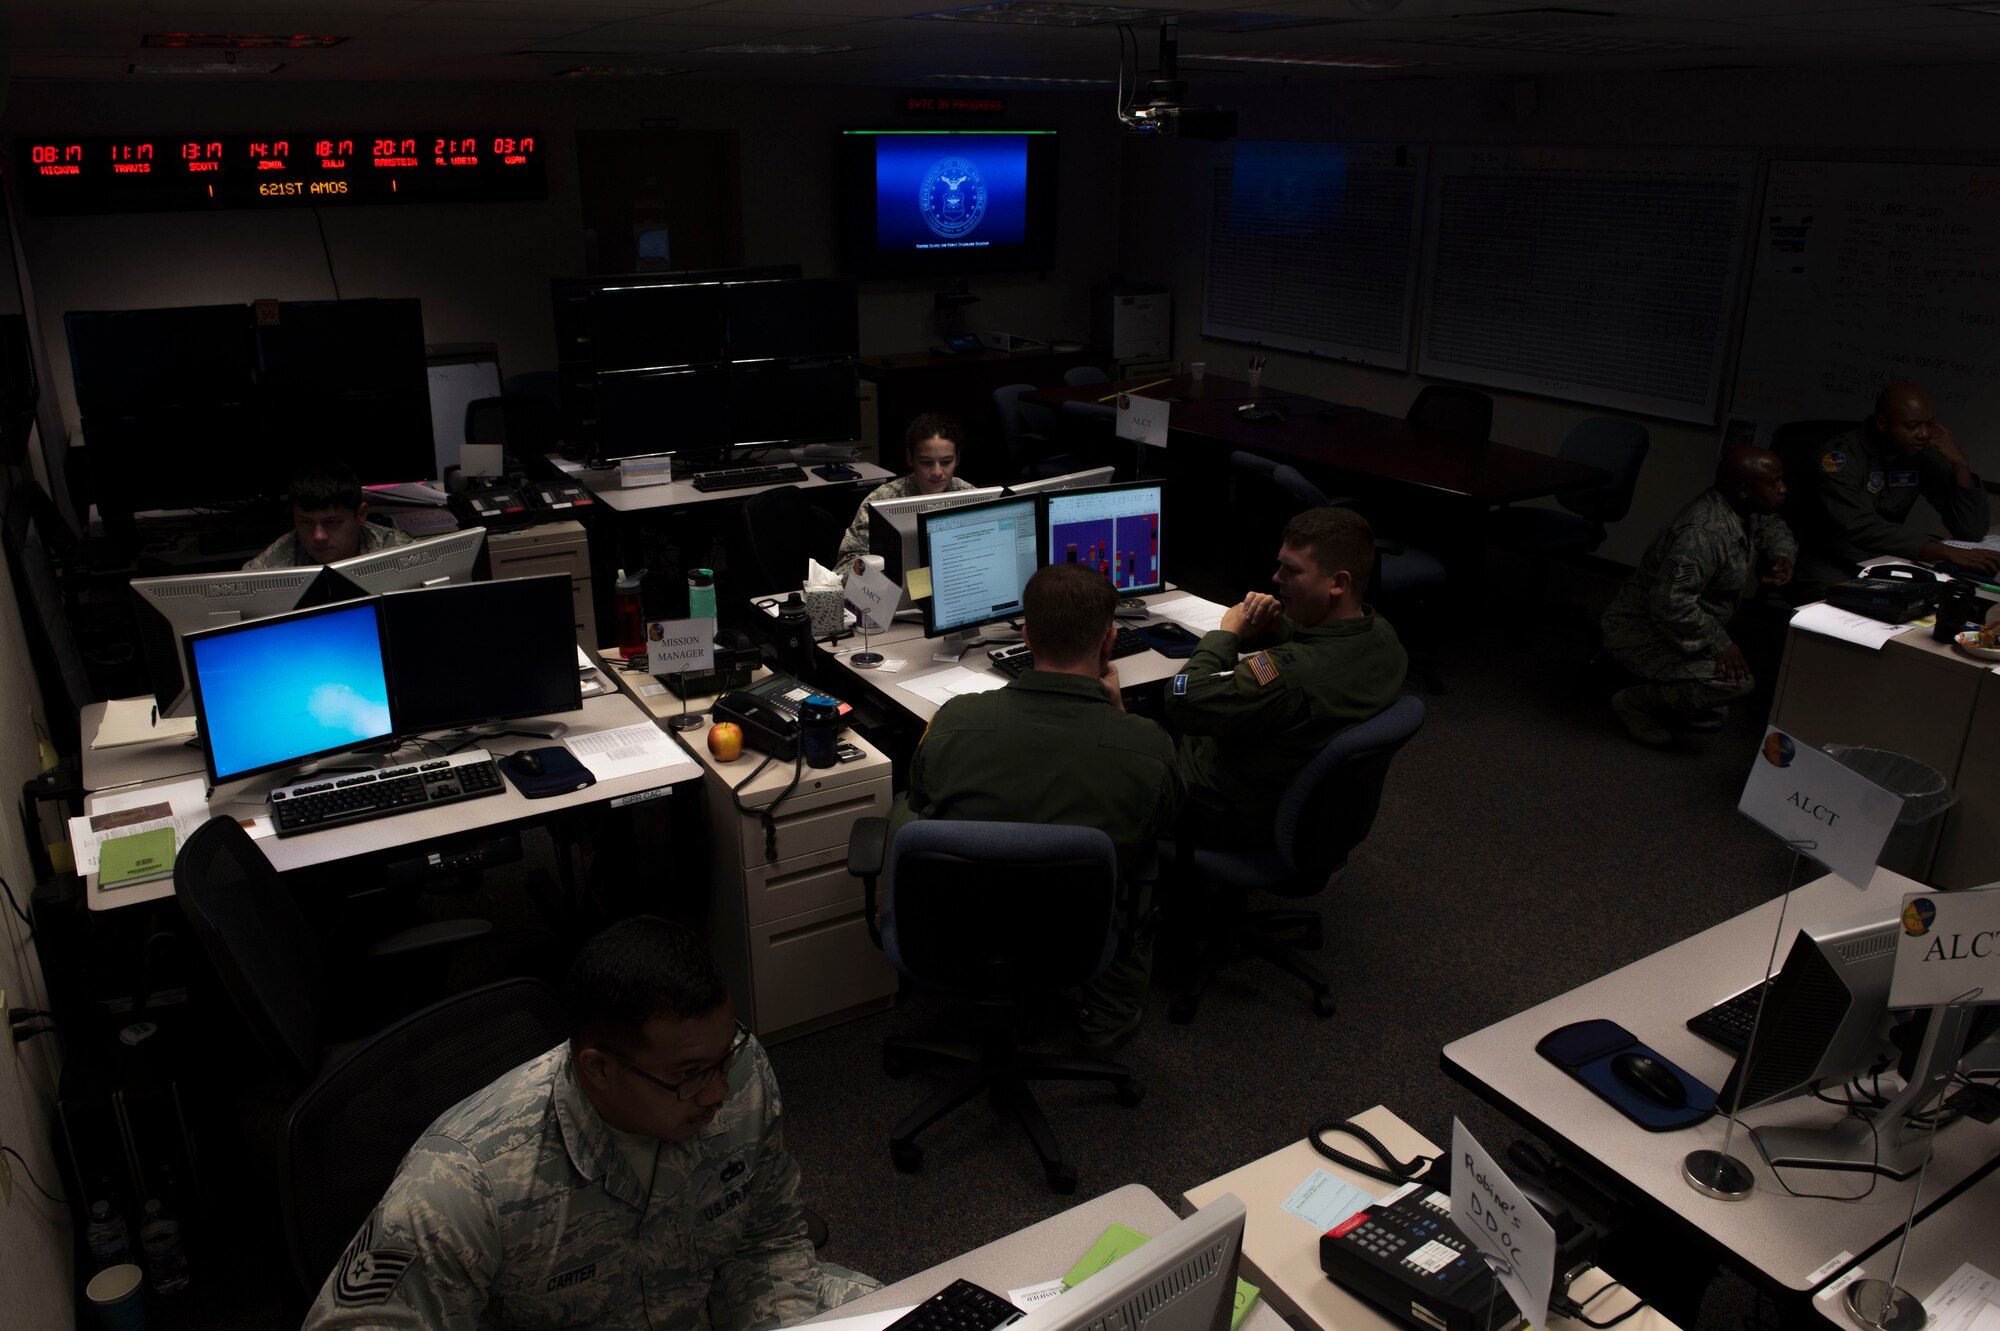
[(1281, 1251), (1042, 1251), (682, 494), (1914, 697), (606, 712), (1960, 1231), (1787, 1244), (1353, 441), (906, 643)]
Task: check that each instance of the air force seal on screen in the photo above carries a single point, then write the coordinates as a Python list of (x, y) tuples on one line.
[(952, 197)]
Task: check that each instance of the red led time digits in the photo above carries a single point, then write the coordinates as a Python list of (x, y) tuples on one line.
[(513, 152), (270, 154), (202, 158), (56, 159), (333, 153)]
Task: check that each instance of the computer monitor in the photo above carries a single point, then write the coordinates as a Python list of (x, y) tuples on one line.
[(658, 325), (430, 563), (1180, 1280), (177, 606), (1114, 529), (793, 402), (1069, 480), (349, 379), (1826, 1020), (285, 691), (892, 526), (479, 654), (654, 411), (980, 557), (815, 317)]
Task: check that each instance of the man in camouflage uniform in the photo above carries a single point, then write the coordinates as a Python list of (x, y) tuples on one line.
[(1669, 622), (1057, 746), (1866, 481), (635, 1176), (1326, 661), (329, 522)]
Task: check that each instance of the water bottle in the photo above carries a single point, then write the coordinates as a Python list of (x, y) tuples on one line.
[(795, 637), (108, 1236), (628, 614), (819, 730), (160, 1237), (701, 593)]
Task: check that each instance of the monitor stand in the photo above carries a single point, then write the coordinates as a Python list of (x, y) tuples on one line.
[(1887, 1143), (954, 645), (533, 727)]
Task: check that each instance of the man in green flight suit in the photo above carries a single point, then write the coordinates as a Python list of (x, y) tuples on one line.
[(1319, 661), (634, 1176), (1057, 746), (1867, 479), (1669, 623)]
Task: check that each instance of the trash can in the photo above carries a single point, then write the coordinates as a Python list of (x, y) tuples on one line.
[(1927, 797)]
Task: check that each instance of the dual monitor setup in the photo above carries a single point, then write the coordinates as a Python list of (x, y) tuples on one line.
[(982, 546), (282, 667), (1827, 1021)]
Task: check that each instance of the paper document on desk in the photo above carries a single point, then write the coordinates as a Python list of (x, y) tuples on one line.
[(182, 806), (135, 721), (1833, 622), (941, 686), (1323, 1201), (1992, 542), (1191, 613), (626, 751), (1962, 1301)]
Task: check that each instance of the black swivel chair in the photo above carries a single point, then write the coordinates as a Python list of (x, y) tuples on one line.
[(1578, 527), (1267, 494), (1082, 376), (1326, 812), (1028, 429), (1462, 413), (347, 1133), (781, 531), (1799, 446), (995, 915)]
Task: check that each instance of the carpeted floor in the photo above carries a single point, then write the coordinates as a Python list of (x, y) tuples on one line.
[(1524, 845)]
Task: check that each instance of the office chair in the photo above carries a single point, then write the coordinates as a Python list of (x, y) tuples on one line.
[(1448, 409), (262, 948), (349, 1130), (1082, 376), (994, 915), (1267, 494), (1325, 812), (781, 531), (1027, 429), (1578, 528), (1799, 445)]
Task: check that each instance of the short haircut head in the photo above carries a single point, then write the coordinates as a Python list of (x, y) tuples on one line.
[(323, 484), (933, 424), (1338, 539), (1068, 607), (636, 970)]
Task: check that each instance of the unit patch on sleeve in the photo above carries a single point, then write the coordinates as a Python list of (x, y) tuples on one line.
[(1832, 460), (1180, 683)]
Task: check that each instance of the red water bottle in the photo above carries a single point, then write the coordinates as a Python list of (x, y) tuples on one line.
[(628, 612)]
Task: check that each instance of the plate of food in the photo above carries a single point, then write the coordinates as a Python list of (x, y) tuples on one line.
[(1982, 643)]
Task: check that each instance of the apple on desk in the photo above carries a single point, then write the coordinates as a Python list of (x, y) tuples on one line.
[(725, 741)]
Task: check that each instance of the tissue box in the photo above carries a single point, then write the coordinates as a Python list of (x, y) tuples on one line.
[(824, 608)]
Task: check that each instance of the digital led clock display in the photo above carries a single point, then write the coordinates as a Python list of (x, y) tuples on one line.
[(129, 174)]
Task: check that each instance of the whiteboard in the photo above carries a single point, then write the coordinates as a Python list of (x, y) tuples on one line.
[(1871, 272), (1312, 247), (1598, 275)]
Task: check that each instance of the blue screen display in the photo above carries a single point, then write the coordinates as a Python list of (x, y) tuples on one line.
[(950, 191), (291, 688)]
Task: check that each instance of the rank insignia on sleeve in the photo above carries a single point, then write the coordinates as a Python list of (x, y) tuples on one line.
[(1180, 683), (1262, 667), (368, 1275), (1875, 482), (1832, 460)]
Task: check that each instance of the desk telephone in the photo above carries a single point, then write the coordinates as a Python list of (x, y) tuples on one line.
[(768, 711), (511, 505)]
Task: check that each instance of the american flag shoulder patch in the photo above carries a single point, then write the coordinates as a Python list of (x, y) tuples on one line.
[(1263, 667)]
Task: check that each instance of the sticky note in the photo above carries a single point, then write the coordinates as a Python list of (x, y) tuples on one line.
[(917, 582)]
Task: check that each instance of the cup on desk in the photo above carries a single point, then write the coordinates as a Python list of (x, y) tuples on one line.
[(1197, 370), (819, 730), (118, 1296), (1256, 378)]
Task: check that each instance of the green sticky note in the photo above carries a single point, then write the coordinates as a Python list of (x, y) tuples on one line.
[(138, 858), (1118, 1240)]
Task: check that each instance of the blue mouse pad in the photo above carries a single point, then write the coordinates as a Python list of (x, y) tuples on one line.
[(1586, 1050), (561, 773), (1167, 638)]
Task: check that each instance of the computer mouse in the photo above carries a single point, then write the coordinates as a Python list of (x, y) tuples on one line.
[(528, 762), (1650, 1078)]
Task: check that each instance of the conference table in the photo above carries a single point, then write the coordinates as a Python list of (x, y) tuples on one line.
[(1789, 1243), (1354, 442)]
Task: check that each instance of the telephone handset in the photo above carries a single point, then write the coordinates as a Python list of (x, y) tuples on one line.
[(768, 711)]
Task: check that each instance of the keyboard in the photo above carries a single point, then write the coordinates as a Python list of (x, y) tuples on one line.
[(1015, 661), (336, 800), (741, 478), (959, 1306), (1728, 1022)]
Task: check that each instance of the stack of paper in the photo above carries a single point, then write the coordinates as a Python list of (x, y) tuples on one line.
[(136, 721), (1830, 620), (1191, 613)]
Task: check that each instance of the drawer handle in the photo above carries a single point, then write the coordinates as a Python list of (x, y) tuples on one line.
[(844, 809), (807, 931), (781, 882)]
